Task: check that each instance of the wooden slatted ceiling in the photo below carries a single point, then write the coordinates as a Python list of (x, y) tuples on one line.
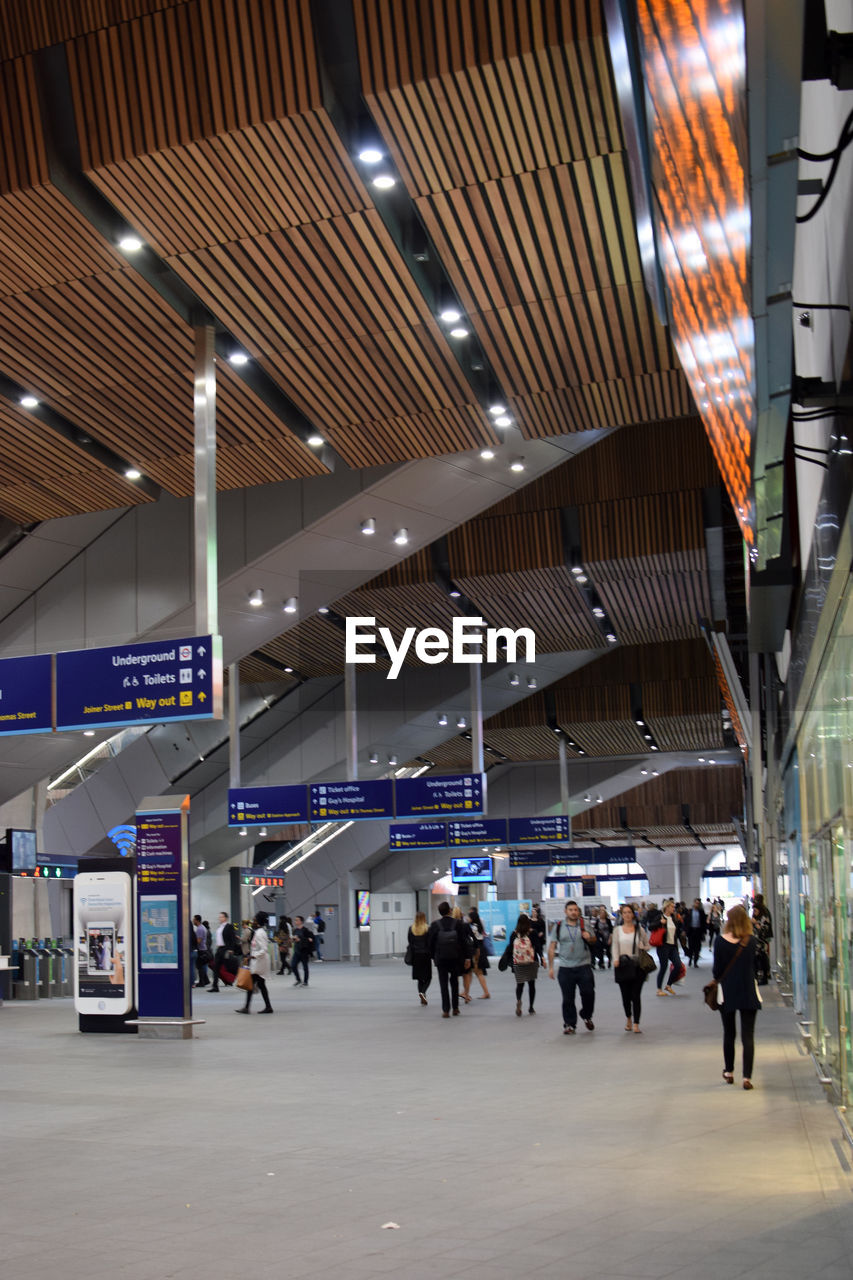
[(616, 403), (716, 794), (43, 477), (545, 600), (26, 25), (643, 665), (411, 604), (645, 608)]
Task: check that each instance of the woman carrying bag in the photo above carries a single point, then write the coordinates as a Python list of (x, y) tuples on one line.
[(259, 963), (628, 946), (734, 960)]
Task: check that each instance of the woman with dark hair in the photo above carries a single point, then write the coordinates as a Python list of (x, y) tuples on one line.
[(418, 945), (668, 950), (480, 961), (734, 971), (259, 962), (629, 939), (526, 959)]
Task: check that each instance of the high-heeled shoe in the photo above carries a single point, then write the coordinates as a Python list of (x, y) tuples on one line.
[(747, 1084), (729, 1077)]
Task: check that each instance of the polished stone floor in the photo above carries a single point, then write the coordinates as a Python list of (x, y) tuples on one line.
[(498, 1147)]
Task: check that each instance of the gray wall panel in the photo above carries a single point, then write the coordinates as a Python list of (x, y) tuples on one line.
[(111, 594)]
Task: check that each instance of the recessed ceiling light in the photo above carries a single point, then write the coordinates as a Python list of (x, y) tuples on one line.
[(449, 315), (644, 772), (384, 181), (132, 473), (316, 441), (401, 537), (497, 409), (517, 464), (597, 612), (610, 637), (130, 244), (288, 671), (368, 526), (460, 332), (290, 604), (454, 595), (487, 454), (639, 722), (576, 569), (256, 597), (370, 155), (582, 579), (503, 421), (88, 733), (28, 402), (324, 608), (238, 357), (655, 773), (654, 748)]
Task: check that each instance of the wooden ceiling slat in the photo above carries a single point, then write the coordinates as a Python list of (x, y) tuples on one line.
[(23, 160), (531, 540)]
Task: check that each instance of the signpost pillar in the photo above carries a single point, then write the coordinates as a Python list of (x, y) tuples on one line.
[(351, 719), (163, 915), (234, 724), (476, 719), (204, 414)]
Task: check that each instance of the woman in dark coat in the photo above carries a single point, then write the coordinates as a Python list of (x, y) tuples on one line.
[(526, 959), (734, 961), (421, 961)]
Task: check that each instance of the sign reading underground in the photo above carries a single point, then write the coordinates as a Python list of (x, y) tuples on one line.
[(140, 683)]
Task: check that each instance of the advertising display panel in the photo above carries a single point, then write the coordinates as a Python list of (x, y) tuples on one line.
[(103, 961)]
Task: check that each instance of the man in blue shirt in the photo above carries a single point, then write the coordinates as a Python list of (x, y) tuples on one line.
[(571, 946)]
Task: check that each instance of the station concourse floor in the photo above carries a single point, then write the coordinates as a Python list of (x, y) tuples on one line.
[(500, 1147)]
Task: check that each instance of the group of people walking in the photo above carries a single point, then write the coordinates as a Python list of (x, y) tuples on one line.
[(458, 947)]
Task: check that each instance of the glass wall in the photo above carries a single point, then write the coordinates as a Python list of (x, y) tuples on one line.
[(825, 758)]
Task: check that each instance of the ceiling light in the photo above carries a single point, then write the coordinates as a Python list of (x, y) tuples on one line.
[(256, 598), (290, 604), (513, 679), (648, 737), (701, 759), (384, 181), (368, 526), (401, 537), (599, 800), (132, 473), (288, 671), (238, 358), (324, 608), (587, 799), (597, 612), (610, 637), (28, 402), (315, 441), (639, 722), (392, 760), (582, 579), (712, 762), (655, 773), (497, 409), (460, 722), (531, 682), (503, 421), (442, 719), (654, 748), (644, 772), (450, 315), (370, 155), (517, 464), (262, 833), (487, 454), (576, 569), (454, 594), (581, 751), (242, 832), (373, 758), (88, 733), (130, 244), (460, 332)]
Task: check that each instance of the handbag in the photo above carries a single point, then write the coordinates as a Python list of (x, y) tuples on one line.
[(711, 989), (657, 936), (407, 958), (244, 979), (487, 945), (646, 963), (505, 961)]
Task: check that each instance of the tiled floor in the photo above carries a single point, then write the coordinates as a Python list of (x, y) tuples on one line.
[(499, 1147)]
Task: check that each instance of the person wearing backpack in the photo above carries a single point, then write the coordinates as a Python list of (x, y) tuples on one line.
[(526, 959), (450, 948), (303, 945), (571, 947)]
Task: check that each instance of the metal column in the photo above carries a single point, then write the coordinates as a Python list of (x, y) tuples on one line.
[(204, 511), (476, 719), (351, 721)]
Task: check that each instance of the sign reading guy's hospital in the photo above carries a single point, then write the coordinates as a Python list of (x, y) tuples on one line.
[(469, 641)]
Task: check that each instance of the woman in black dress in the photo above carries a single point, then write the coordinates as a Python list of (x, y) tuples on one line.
[(421, 962), (734, 961)]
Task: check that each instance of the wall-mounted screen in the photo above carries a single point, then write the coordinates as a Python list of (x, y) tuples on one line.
[(472, 870), (22, 845)]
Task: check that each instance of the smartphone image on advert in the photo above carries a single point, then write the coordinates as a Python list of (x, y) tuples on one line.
[(102, 930)]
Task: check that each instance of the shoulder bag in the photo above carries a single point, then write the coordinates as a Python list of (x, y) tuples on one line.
[(711, 990), (646, 963)]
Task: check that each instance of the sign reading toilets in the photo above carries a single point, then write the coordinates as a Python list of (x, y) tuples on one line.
[(140, 683)]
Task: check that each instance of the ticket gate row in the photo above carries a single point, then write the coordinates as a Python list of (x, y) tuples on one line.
[(41, 968)]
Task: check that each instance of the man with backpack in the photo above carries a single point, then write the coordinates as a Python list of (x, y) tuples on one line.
[(450, 948), (571, 946), (303, 945)]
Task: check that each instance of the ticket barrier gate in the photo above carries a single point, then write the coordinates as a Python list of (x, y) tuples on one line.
[(62, 958), (45, 969), (26, 983)]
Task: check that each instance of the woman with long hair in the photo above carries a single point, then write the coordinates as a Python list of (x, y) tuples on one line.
[(734, 970), (421, 960), (526, 959), (480, 961), (668, 950), (629, 939)]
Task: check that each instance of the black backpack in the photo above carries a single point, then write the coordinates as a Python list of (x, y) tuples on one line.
[(447, 943)]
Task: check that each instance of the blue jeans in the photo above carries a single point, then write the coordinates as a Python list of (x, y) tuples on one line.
[(577, 978), (300, 958), (667, 955)]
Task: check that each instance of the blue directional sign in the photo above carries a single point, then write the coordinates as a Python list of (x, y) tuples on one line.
[(587, 856), (533, 858), (417, 835), (486, 831), (25, 694), (550, 829), (259, 806), (351, 801), (140, 683), (458, 793)]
